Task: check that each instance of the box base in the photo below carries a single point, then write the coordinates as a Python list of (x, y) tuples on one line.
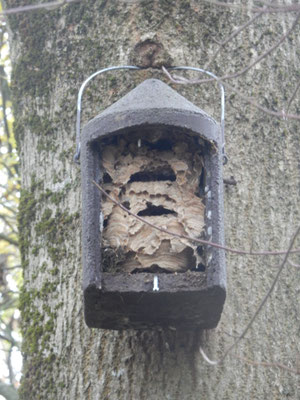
[(128, 302)]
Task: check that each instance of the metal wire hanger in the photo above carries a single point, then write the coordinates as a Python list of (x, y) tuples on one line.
[(133, 67)]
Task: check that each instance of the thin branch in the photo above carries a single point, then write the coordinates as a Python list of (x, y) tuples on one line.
[(271, 8), (233, 35), (9, 355), (268, 4), (278, 114), (5, 97), (7, 217), (266, 53), (269, 364), (251, 65), (35, 7), (8, 168), (268, 294), (8, 239), (226, 5), (11, 268), (293, 264), (231, 335), (9, 224), (10, 340), (184, 81), (263, 302), (280, 9), (293, 97), (10, 209), (200, 241), (10, 367)]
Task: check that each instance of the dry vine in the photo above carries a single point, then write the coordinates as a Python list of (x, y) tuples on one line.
[(230, 37), (269, 8), (200, 241), (278, 114), (35, 7), (263, 302), (270, 365)]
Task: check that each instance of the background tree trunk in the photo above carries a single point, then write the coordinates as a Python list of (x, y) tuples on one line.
[(53, 52)]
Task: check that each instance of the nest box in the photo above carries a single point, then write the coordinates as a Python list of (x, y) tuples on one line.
[(160, 157)]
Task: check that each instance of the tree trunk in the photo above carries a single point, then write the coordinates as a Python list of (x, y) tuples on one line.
[(53, 52)]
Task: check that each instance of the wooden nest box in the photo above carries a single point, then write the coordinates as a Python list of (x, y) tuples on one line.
[(159, 156)]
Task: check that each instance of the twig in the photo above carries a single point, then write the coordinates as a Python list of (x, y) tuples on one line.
[(8, 339), (231, 335), (9, 208), (8, 239), (200, 241), (8, 223), (266, 53), (35, 7), (183, 81), (8, 168), (233, 35), (4, 95), (287, 253), (271, 8), (268, 4), (279, 9), (226, 5), (249, 66), (269, 364), (293, 96), (268, 294), (277, 114), (8, 358), (293, 264), (12, 268)]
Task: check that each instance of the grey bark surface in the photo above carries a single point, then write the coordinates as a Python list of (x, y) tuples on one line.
[(53, 52)]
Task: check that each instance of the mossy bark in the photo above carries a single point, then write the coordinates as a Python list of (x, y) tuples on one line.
[(53, 52)]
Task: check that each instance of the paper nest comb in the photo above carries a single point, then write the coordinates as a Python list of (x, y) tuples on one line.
[(156, 176)]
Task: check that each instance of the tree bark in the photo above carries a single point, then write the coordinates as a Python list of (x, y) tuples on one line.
[(53, 52)]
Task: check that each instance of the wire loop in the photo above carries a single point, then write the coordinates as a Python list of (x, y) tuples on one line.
[(133, 67)]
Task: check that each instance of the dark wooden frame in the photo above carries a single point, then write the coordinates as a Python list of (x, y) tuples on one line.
[(127, 301)]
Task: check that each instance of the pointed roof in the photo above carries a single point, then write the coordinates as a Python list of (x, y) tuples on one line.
[(152, 103)]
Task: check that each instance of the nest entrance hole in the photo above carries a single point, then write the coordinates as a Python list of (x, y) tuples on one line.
[(152, 210), (157, 175)]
